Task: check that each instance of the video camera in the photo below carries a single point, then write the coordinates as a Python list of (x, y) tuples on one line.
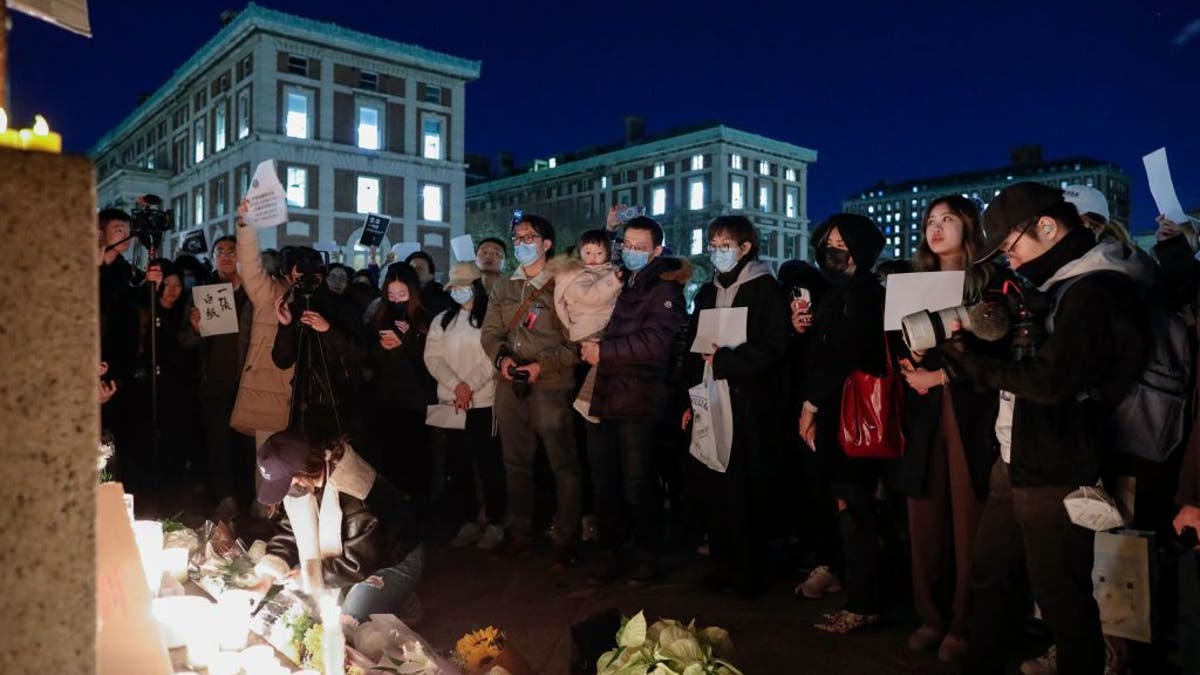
[(1013, 312), (148, 220)]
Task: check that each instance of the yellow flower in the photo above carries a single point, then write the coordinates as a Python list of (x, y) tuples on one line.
[(480, 647)]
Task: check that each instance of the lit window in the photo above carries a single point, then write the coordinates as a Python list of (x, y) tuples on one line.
[(764, 198), (431, 138), (296, 120), (789, 202), (697, 162), (870, 209), (737, 192), (243, 114), (368, 194), (735, 161), (604, 182), (696, 194), (368, 127), (433, 94), (1091, 182), (764, 168), (150, 161), (660, 170), (697, 241), (199, 140), (552, 162), (198, 206), (431, 202), (297, 186), (790, 174), (658, 202), (219, 124)]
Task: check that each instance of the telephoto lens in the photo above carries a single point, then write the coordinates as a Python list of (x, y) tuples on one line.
[(924, 330)]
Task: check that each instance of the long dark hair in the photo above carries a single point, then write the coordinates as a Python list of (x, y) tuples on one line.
[(925, 260), (478, 310), (414, 310)]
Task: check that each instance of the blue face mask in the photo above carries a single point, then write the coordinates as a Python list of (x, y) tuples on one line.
[(635, 260), (724, 260), (526, 254), (462, 295)]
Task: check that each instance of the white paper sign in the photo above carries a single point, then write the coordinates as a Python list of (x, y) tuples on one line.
[(464, 248), (1121, 584), (1159, 174), (268, 199), (405, 249), (433, 240), (218, 310), (909, 293), (720, 326), (445, 416)]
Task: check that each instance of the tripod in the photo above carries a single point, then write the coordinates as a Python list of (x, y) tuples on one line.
[(312, 370)]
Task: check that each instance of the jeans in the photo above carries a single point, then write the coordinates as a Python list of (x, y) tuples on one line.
[(544, 415), (620, 454), (1025, 539), (388, 590)]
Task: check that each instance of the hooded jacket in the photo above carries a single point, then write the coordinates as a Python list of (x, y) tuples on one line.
[(1060, 398), (635, 351), (584, 295)]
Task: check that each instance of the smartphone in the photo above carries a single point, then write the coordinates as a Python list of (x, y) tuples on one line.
[(907, 365)]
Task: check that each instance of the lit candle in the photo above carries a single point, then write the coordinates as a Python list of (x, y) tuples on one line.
[(175, 563), (225, 663), (234, 609), (201, 641), (9, 138), (40, 137), (332, 641), (149, 537)]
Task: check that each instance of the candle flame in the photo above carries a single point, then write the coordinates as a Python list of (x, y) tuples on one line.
[(40, 126), (3, 120)]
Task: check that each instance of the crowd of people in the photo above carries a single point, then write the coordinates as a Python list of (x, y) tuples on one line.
[(553, 396)]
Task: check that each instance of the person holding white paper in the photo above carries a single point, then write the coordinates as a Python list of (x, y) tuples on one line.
[(735, 500), (466, 382)]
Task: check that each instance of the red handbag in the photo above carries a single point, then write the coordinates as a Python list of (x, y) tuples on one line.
[(870, 426)]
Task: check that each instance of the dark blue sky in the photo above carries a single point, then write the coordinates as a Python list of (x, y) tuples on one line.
[(893, 90)]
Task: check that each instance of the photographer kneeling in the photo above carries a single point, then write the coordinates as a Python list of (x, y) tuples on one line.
[(1053, 402), (338, 513)]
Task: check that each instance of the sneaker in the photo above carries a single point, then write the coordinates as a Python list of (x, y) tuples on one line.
[(468, 534), (925, 638), (588, 530), (1046, 664), (952, 650), (845, 623), (493, 536), (820, 582)]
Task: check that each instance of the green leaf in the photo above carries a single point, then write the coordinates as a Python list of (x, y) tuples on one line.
[(633, 633)]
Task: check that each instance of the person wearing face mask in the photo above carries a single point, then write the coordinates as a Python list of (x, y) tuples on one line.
[(734, 501), (403, 385), (464, 374), (1053, 406), (357, 531), (527, 344), (630, 361), (433, 296), (846, 335)]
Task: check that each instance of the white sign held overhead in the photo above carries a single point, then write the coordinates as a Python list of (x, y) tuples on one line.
[(1158, 172), (268, 199), (405, 249), (218, 310), (69, 14), (463, 247), (909, 293)]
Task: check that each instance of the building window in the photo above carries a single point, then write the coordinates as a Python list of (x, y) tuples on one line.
[(431, 138), (697, 246), (219, 124), (764, 198), (199, 140), (297, 186), (735, 161), (696, 193), (660, 170), (737, 192), (764, 168), (243, 180), (433, 94), (790, 198), (790, 175), (368, 126), (368, 194), (658, 201), (298, 65), (198, 206), (697, 162), (243, 114), (368, 80), (297, 120), (221, 198), (604, 182), (248, 65), (431, 202)]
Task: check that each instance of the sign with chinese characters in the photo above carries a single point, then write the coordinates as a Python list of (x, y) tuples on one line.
[(218, 311), (374, 229), (194, 243)]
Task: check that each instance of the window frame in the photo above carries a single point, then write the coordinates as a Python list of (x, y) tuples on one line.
[(309, 97)]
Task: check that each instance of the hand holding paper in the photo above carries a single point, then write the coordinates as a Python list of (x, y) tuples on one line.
[(722, 327), (267, 198), (1159, 174)]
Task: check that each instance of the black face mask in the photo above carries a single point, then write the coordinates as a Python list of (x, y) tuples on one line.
[(398, 310), (835, 260)]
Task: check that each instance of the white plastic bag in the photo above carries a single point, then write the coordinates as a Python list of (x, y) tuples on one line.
[(712, 421)]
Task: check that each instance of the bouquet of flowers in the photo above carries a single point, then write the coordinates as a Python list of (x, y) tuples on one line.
[(668, 648), (487, 651)]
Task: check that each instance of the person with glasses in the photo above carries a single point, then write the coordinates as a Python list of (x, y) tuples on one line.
[(733, 501), (1053, 410), (230, 456), (527, 344)]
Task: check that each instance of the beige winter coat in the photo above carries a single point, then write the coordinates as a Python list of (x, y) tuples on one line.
[(584, 296), (265, 392)]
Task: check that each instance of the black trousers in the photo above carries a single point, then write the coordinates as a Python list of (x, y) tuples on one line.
[(861, 525), (473, 458), (1025, 542), (625, 484), (231, 462)]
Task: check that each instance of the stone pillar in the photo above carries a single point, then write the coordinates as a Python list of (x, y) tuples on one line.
[(49, 413)]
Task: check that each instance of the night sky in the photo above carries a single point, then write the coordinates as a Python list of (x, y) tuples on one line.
[(890, 91)]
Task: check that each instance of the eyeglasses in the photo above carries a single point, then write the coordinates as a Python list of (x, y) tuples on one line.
[(525, 239), (1008, 249), (723, 248), (636, 249), (225, 253)]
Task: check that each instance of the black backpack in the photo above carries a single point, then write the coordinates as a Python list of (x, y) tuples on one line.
[(1151, 420)]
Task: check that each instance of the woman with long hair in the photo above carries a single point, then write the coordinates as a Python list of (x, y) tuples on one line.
[(950, 440), (466, 380)]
